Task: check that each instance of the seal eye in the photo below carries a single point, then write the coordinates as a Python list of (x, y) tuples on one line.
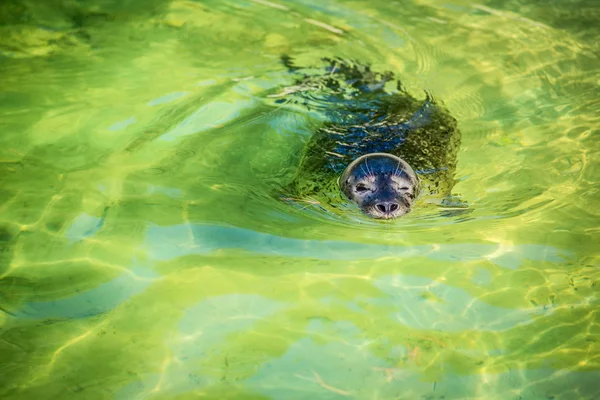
[(404, 188), (360, 188)]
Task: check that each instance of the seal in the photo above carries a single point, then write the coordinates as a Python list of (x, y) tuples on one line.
[(380, 148)]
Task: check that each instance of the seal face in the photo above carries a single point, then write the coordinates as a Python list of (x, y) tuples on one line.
[(382, 185)]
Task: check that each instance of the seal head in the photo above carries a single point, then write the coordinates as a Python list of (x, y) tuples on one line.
[(382, 185)]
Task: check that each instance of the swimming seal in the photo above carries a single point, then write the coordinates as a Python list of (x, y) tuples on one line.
[(380, 146)]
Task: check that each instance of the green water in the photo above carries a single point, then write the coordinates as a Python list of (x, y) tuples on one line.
[(142, 255)]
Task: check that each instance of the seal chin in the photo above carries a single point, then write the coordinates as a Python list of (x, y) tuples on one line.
[(382, 185)]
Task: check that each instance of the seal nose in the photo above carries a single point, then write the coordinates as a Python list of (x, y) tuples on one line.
[(387, 207)]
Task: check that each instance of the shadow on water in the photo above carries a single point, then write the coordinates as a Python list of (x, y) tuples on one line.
[(144, 255)]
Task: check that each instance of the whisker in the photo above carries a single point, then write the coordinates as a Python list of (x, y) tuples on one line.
[(362, 168)]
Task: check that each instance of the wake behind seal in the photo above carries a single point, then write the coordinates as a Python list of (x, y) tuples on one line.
[(380, 147)]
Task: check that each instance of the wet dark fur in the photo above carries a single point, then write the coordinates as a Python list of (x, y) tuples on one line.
[(365, 116)]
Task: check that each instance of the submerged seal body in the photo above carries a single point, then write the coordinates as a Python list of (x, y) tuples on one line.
[(380, 147)]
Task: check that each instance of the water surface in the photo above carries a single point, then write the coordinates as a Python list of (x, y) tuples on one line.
[(142, 255)]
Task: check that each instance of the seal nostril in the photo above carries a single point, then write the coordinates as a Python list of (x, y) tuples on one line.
[(387, 207)]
